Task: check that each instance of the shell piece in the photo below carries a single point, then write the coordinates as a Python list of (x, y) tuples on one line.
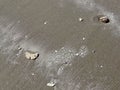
[(104, 19), (80, 19), (101, 18), (51, 84), (31, 55)]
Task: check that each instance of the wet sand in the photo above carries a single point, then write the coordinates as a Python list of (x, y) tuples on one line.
[(73, 54)]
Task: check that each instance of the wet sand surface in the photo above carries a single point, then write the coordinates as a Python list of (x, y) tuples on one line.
[(73, 54)]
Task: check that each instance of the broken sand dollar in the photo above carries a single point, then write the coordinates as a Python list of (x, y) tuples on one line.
[(102, 18), (31, 55)]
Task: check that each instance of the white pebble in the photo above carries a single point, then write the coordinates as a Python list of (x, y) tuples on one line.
[(45, 22), (33, 74), (101, 66), (80, 19), (56, 51), (77, 54), (83, 38)]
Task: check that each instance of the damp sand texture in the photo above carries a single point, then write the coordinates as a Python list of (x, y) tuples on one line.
[(77, 49)]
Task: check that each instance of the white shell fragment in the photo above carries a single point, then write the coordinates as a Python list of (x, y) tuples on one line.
[(45, 22), (31, 55), (77, 54), (83, 38), (19, 48), (80, 19), (51, 84), (33, 74), (102, 18), (101, 66), (56, 51)]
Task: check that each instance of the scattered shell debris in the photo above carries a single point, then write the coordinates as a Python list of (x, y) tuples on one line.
[(60, 70), (82, 52), (103, 19), (31, 55), (80, 19)]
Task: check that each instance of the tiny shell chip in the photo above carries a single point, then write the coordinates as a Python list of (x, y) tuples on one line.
[(51, 84), (19, 48), (31, 56), (80, 19)]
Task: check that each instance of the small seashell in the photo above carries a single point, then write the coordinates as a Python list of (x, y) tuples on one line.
[(31, 55)]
